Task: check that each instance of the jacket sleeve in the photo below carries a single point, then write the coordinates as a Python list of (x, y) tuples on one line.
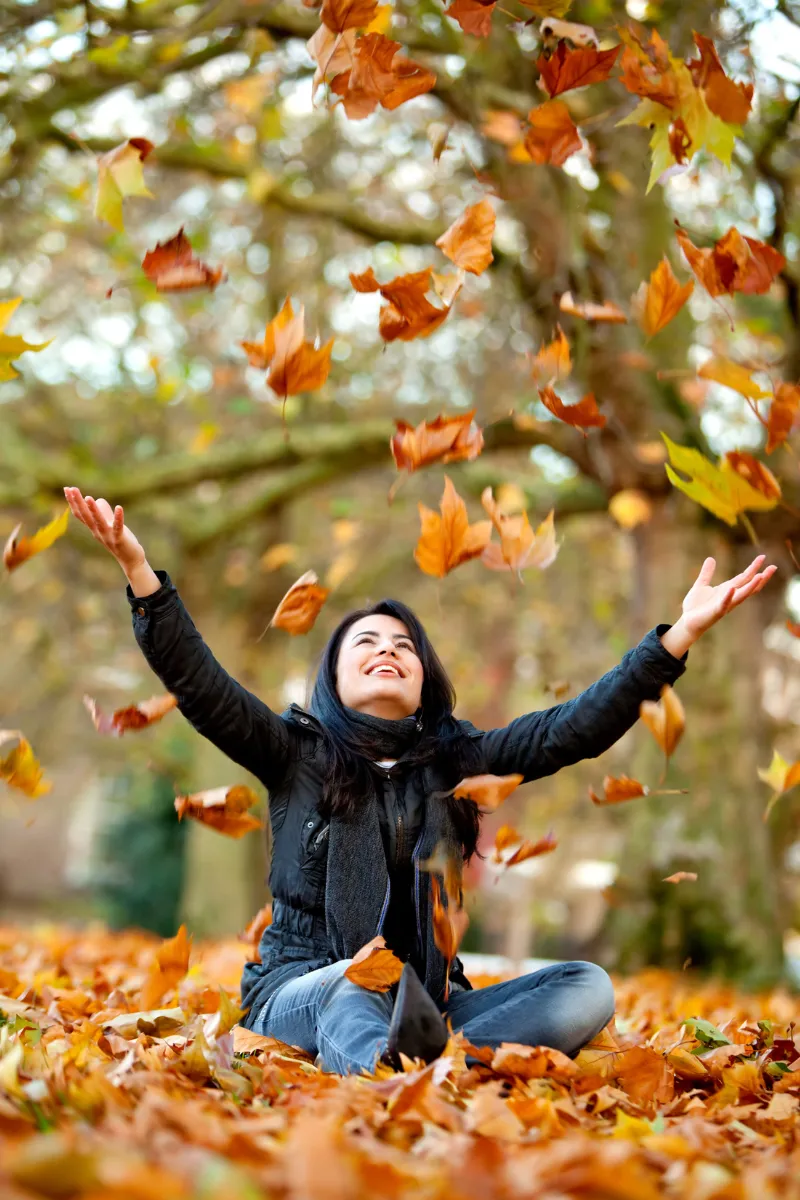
[(218, 707), (541, 743)]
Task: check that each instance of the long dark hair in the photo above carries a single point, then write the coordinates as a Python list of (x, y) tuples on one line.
[(350, 776)]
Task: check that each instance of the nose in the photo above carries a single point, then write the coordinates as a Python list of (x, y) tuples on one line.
[(387, 646)]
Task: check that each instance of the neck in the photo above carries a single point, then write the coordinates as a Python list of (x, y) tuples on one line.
[(388, 710)]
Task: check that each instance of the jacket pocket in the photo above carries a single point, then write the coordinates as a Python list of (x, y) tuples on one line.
[(314, 856)]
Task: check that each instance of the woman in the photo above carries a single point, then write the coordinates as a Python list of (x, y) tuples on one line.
[(358, 800)]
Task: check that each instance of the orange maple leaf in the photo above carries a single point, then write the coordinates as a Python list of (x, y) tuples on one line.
[(222, 808), (519, 546), (407, 313), (18, 550), (656, 302), (375, 967), (378, 75), (172, 267), (729, 101), (449, 926), (293, 364), (647, 70), (552, 361), (584, 415), (587, 310), (617, 790), (133, 716), (468, 241), (340, 15), (302, 604), (735, 263), (444, 440), (552, 135), (449, 540), (566, 69), (757, 474), (169, 967), (487, 791), (474, 16), (783, 413)]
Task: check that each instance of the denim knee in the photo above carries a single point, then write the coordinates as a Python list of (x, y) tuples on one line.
[(599, 994)]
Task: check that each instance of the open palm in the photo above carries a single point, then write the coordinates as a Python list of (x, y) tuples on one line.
[(705, 603)]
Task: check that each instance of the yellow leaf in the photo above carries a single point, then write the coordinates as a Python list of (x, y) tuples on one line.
[(381, 21), (120, 174), (732, 375), (720, 489), (279, 555), (630, 508), (19, 549), (19, 769), (10, 346)]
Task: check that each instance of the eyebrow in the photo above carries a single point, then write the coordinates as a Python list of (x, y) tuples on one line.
[(373, 633)]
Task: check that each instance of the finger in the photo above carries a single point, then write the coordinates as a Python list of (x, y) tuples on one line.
[(119, 521), (106, 510), (81, 510), (747, 574), (707, 570), (98, 525)]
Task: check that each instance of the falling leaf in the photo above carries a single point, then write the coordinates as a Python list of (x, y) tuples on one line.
[(374, 967), (720, 489), (302, 604), (18, 550), (783, 414), (487, 791), (526, 849), (223, 809), (19, 768), (729, 101), (552, 362), (277, 556), (756, 473), (12, 346), (519, 546), (547, 8), (630, 507), (734, 263), (449, 925), (781, 776), (332, 52), (251, 934), (120, 174), (474, 16), (407, 313), (172, 267), (170, 964), (340, 15), (503, 127), (133, 716), (607, 312), (732, 375), (378, 75), (617, 790), (448, 540), (250, 93), (293, 364), (468, 241), (681, 877), (442, 440), (657, 302), (567, 69), (793, 627), (438, 135), (665, 718), (583, 415), (551, 136)]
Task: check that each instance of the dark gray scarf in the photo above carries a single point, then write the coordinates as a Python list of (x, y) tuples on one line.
[(377, 737)]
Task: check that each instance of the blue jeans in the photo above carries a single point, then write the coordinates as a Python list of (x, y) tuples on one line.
[(346, 1027)]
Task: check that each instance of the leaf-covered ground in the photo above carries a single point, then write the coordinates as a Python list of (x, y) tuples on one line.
[(101, 1102)]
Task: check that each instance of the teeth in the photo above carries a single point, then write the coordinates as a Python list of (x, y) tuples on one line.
[(384, 671)]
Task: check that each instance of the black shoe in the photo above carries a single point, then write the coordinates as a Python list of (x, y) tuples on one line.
[(417, 1029)]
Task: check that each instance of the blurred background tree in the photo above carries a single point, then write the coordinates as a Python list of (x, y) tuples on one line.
[(147, 400)]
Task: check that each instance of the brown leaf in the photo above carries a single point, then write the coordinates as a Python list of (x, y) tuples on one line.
[(302, 604), (680, 877), (376, 75), (665, 718), (449, 540), (729, 101), (783, 414), (488, 791), (566, 69), (449, 923), (170, 964), (251, 934), (442, 440), (583, 415), (645, 1076), (532, 1062), (756, 473), (617, 790), (474, 16), (172, 267), (734, 263), (408, 313), (133, 716), (657, 302), (332, 52), (552, 362), (468, 241), (222, 808), (374, 967), (19, 768), (646, 70), (19, 549), (552, 135), (607, 312), (340, 15), (519, 546), (545, 845), (293, 364)]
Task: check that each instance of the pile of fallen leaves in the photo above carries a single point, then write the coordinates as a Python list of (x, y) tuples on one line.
[(125, 1076)]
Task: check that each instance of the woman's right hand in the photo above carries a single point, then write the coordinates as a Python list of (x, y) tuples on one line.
[(108, 528)]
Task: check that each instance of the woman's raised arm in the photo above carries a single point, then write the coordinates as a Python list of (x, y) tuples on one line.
[(541, 743), (218, 707)]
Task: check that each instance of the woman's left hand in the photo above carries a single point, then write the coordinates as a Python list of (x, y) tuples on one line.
[(705, 604)]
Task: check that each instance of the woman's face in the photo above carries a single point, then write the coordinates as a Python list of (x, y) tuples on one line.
[(378, 671)]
